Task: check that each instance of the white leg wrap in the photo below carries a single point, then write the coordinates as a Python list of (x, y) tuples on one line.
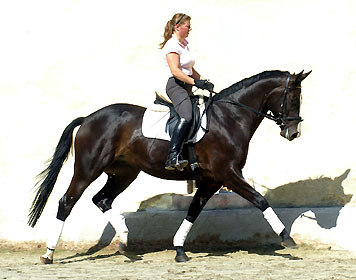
[(52, 241), (273, 220), (182, 233), (56, 229), (117, 220), (49, 254)]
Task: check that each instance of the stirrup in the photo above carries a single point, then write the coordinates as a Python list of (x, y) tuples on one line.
[(169, 166), (181, 164), (176, 163)]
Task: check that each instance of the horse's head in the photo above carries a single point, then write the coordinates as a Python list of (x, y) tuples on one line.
[(285, 105)]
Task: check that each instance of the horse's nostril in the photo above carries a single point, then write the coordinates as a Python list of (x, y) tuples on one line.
[(293, 136)]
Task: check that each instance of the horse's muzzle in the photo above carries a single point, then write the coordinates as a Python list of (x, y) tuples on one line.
[(290, 132)]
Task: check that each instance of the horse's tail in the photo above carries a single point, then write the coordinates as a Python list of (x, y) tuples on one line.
[(48, 177)]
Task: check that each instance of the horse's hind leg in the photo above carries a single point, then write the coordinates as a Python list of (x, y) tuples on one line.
[(115, 185), (87, 168), (76, 188), (205, 191)]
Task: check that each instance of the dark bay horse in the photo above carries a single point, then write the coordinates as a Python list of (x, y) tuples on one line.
[(110, 140)]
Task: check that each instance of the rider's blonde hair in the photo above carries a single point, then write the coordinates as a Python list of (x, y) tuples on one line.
[(179, 19)]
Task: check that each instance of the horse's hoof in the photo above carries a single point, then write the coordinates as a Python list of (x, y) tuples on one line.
[(123, 237), (181, 258), (46, 260), (289, 243), (122, 248)]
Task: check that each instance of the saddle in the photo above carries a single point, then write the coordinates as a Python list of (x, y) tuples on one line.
[(160, 122), (196, 122)]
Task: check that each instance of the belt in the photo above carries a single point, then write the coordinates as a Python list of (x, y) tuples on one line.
[(179, 82)]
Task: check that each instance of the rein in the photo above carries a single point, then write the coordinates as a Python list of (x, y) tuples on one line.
[(280, 119)]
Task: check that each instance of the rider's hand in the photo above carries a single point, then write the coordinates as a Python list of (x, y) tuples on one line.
[(204, 84)]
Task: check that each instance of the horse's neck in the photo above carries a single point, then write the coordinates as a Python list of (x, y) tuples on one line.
[(256, 97)]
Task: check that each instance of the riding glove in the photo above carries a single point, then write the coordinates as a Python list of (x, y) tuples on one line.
[(204, 84)]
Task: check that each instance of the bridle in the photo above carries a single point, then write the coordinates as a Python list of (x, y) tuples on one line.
[(281, 119)]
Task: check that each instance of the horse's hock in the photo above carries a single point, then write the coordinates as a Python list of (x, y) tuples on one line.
[(316, 212)]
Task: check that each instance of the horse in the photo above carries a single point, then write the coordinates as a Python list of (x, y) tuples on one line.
[(110, 141)]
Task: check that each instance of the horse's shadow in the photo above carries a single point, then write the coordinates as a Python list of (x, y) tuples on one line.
[(312, 194), (305, 195), (323, 196), (272, 250)]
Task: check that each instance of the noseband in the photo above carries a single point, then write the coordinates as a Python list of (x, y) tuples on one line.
[(280, 120)]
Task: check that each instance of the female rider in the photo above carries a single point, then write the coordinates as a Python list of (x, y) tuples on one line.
[(182, 76)]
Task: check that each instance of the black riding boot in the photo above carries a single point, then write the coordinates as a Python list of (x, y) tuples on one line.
[(177, 139)]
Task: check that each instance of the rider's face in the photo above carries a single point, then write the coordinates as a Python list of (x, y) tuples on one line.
[(184, 29)]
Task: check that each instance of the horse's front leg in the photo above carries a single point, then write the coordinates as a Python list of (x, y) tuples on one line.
[(205, 191), (238, 184)]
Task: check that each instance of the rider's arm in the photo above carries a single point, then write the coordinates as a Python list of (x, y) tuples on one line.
[(173, 63)]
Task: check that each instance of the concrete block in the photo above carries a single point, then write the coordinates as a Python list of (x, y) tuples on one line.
[(180, 202), (244, 227)]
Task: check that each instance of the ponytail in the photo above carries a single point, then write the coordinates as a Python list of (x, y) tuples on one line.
[(179, 18)]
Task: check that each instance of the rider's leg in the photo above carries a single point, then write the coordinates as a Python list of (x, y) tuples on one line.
[(179, 133), (178, 93)]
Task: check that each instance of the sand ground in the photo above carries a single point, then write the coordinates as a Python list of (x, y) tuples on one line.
[(263, 263)]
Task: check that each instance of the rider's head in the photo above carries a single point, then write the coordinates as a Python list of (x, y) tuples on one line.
[(179, 23)]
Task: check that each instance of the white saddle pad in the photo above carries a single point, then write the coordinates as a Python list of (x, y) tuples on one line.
[(155, 119)]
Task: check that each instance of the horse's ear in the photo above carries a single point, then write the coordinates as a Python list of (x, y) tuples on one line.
[(301, 76), (305, 75)]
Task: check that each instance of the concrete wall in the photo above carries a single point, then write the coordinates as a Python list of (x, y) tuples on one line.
[(64, 59)]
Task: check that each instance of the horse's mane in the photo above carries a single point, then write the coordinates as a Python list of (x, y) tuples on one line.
[(248, 82)]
